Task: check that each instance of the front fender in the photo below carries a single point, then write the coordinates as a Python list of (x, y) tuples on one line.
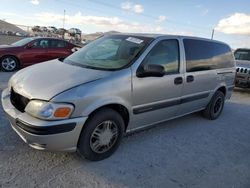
[(104, 102)]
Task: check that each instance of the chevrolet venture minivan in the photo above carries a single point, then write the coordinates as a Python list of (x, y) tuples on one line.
[(115, 85)]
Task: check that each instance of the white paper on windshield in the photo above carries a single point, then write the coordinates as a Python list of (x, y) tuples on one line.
[(134, 40)]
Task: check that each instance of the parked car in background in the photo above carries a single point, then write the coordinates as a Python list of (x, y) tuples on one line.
[(61, 31), (33, 50), (242, 57), (11, 33), (52, 29), (36, 29), (115, 85), (19, 34), (74, 31), (44, 29)]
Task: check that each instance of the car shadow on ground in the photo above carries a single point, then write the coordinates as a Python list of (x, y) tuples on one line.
[(242, 90)]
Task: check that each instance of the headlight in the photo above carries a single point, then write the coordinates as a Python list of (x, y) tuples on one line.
[(49, 110)]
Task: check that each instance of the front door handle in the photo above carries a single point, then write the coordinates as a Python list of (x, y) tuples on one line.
[(190, 78), (178, 80)]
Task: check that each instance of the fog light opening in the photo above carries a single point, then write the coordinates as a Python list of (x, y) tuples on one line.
[(38, 146)]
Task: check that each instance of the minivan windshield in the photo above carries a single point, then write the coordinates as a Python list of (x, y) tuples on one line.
[(22, 42), (242, 55), (109, 52)]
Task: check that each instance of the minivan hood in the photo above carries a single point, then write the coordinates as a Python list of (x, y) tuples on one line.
[(46, 80), (242, 63)]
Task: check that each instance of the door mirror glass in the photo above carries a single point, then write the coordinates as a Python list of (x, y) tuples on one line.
[(150, 70)]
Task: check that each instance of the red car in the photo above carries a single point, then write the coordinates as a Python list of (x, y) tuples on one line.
[(33, 50)]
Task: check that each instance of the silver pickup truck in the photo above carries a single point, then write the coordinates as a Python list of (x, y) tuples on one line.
[(242, 57)]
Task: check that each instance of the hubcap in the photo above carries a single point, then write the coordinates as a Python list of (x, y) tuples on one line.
[(104, 137), (9, 63), (218, 105)]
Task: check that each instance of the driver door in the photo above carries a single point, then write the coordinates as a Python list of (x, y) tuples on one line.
[(156, 99)]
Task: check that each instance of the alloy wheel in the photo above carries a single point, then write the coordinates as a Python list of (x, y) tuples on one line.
[(9, 64), (104, 136)]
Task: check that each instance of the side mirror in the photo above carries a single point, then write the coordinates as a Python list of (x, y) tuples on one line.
[(150, 70), (28, 46), (75, 49)]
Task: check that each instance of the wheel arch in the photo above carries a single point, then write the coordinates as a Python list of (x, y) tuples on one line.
[(223, 89), (120, 108)]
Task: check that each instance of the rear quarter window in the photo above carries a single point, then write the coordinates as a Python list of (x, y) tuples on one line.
[(57, 44), (205, 55)]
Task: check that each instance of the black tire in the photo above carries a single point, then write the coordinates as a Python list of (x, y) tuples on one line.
[(215, 106), (9, 63), (86, 140)]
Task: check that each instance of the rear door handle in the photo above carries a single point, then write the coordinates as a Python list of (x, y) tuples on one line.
[(178, 80), (190, 78)]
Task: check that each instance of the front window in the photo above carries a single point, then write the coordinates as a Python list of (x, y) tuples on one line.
[(43, 43), (165, 53), (242, 55), (109, 52), (22, 42)]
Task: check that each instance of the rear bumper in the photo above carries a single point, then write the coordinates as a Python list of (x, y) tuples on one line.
[(60, 135)]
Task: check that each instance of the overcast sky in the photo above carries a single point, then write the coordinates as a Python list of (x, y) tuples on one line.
[(230, 19)]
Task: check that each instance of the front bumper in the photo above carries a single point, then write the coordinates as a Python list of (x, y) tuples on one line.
[(59, 135), (242, 80)]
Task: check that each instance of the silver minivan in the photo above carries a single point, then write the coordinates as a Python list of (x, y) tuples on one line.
[(115, 85)]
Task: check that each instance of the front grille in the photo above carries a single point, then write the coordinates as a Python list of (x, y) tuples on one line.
[(18, 101), (240, 77), (243, 70)]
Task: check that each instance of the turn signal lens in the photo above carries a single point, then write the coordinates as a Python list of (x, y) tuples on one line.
[(62, 112)]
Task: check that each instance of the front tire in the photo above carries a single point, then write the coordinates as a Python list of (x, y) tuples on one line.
[(101, 135), (9, 63), (215, 106)]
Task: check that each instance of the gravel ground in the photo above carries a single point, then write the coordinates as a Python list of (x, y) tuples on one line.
[(187, 152), (8, 39)]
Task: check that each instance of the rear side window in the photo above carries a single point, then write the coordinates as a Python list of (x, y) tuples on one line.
[(205, 55), (57, 44), (165, 53)]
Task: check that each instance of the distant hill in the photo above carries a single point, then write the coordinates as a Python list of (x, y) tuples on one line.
[(5, 26)]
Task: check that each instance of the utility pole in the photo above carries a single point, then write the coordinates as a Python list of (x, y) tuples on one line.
[(212, 35), (64, 11)]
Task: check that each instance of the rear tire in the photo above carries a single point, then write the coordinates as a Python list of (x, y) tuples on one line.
[(215, 106), (9, 63), (101, 135)]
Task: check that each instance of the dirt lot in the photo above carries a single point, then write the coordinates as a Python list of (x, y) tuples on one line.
[(187, 152), (8, 39)]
